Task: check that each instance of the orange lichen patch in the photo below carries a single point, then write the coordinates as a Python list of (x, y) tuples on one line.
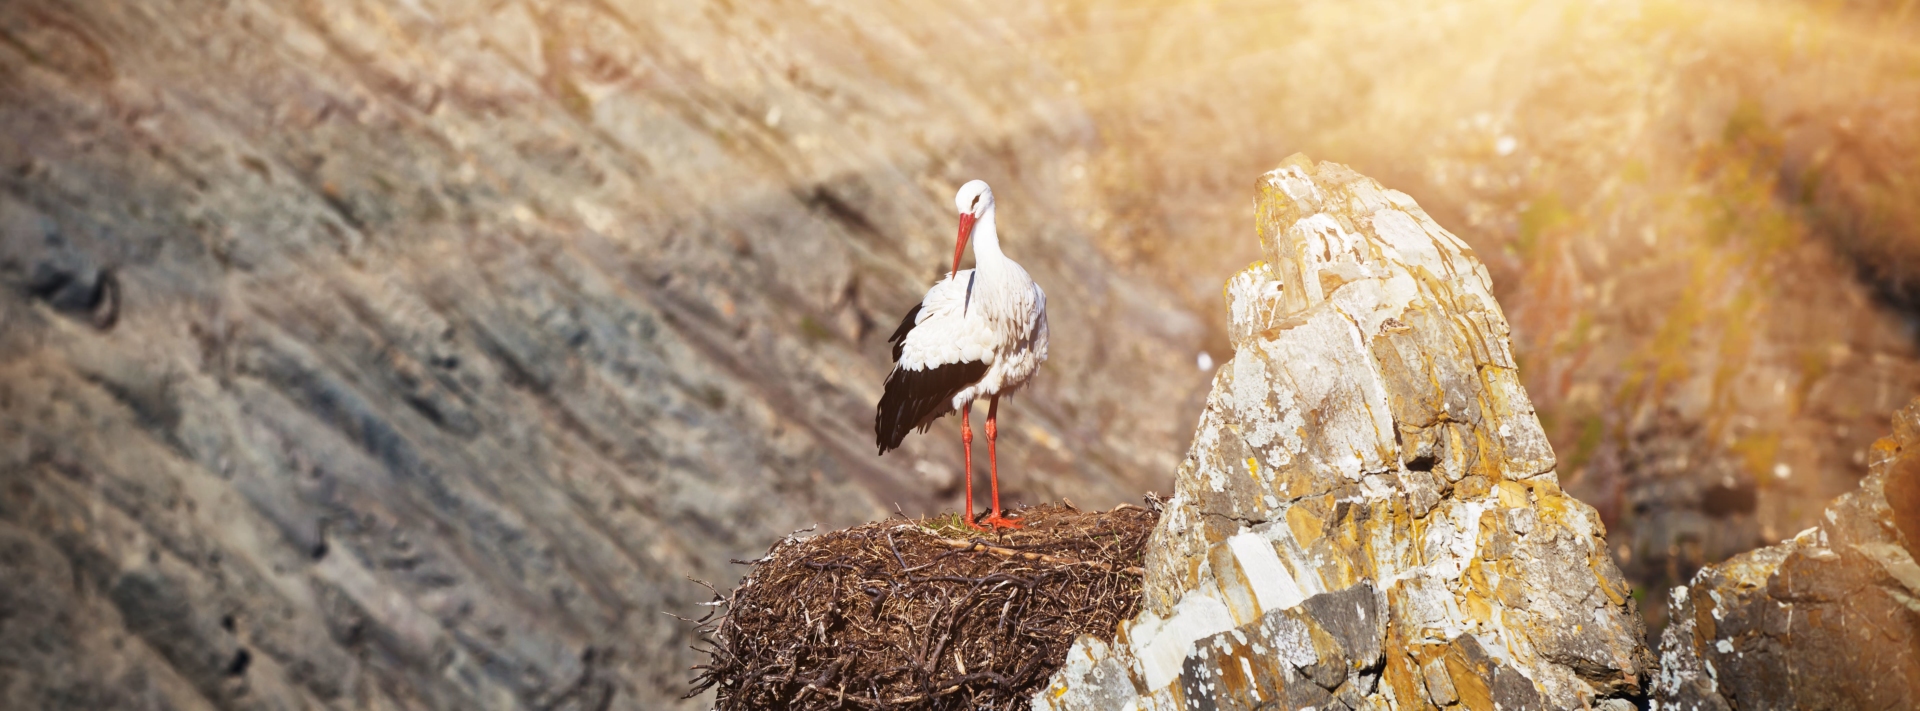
[(1295, 482), (1469, 680), (1401, 676), (1557, 507), (1513, 495), (1477, 607), (1473, 487), (1617, 597), (1341, 571), (1384, 537), (1307, 524)]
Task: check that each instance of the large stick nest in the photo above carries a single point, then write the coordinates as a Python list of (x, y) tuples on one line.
[(923, 614)]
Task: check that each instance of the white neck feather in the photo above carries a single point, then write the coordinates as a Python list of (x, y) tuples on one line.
[(986, 242)]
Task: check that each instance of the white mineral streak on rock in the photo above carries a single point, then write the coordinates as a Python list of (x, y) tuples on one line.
[(1375, 303), (1252, 297), (1895, 561), (1294, 557), (1094, 676), (1294, 182), (1326, 371), (1175, 519), (1369, 495), (1292, 641), (1452, 537), (1253, 406), (1273, 587), (1428, 606), (1411, 243), (1216, 479), (1162, 644)]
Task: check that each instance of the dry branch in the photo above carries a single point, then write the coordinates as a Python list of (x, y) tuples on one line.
[(978, 545)]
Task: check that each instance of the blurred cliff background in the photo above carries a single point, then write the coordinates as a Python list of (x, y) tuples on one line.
[(415, 353)]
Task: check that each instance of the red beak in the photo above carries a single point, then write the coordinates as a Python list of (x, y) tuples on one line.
[(960, 243)]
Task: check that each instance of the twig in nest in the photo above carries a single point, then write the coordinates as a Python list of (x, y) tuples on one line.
[(978, 545)]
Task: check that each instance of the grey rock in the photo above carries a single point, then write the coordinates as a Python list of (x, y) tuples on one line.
[(1439, 685), (1354, 618), (1824, 620)]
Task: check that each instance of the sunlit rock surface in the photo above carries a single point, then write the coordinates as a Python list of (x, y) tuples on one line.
[(496, 300), (1369, 515), (384, 354), (1829, 619)]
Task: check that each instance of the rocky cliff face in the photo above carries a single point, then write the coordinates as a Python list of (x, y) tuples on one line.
[(413, 354), (1369, 516), (1829, 619)]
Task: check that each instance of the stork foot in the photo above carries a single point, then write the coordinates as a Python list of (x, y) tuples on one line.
[(996, 521)]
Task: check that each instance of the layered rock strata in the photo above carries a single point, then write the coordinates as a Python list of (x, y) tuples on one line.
[(1829, 619), (382, 354), (1369, 515)]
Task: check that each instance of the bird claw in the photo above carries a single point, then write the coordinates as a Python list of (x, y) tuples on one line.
[(996, 521)]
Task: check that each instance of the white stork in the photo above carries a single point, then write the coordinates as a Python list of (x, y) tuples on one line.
[(977, 333)]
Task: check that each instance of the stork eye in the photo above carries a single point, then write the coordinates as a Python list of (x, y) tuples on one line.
[(976, 201)]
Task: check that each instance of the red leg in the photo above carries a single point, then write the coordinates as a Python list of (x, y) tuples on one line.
[(993, 463), (966, 442)]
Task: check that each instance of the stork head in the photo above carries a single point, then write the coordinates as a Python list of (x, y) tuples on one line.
[(974, 200)]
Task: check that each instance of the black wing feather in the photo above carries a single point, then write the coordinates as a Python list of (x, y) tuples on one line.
[(915, 398), (899, 337)]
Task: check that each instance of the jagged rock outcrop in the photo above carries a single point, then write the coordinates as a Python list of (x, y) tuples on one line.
[(1369, 515), (1829, 619)]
